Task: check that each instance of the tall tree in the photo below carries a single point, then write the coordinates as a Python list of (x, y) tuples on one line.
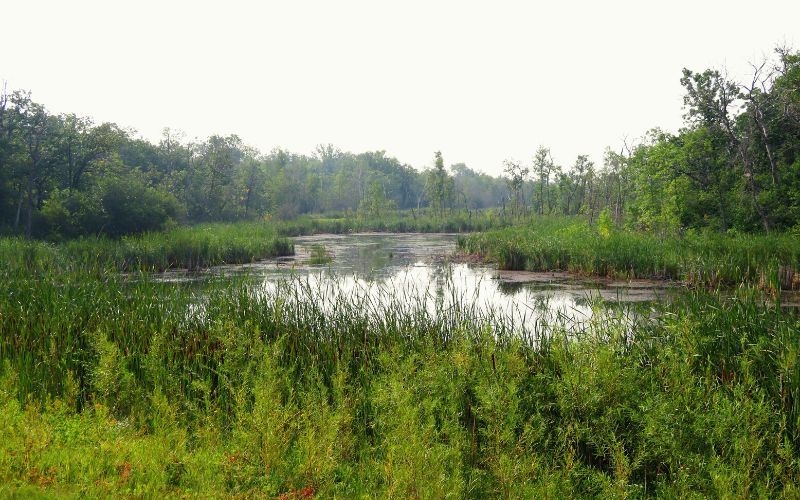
[(542, 167), (439, 185), (32, 129), (516, 176)]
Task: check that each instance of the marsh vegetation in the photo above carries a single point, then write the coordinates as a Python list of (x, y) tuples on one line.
[(173, 322), (124, 383)]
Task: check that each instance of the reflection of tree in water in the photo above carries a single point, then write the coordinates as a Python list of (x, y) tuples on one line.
[(509, 288), (372, 260), (406, 269), (379, 258), (586, 299), (441, 279)]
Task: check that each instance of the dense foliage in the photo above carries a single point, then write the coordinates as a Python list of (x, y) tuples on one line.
[(119, 386), (734, 166), (706, 259), (113, 383), (726, 170), (62, 176)]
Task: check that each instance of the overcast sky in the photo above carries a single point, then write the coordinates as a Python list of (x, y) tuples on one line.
[(480, 81)]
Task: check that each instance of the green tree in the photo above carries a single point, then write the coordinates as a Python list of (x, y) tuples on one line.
[(439, 185), (516, 175), (542, 167), (32, 155), (375, 204), (656, 205)]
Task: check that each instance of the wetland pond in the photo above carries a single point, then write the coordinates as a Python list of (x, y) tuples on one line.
[(412, 268)]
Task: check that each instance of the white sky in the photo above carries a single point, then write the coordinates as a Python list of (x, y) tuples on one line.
[(480, 81)]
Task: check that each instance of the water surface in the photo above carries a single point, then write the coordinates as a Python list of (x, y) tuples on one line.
[(427, 268)]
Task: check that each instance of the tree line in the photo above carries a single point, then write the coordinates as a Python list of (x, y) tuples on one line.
[(733, 166), (736, 163), (62, 175)]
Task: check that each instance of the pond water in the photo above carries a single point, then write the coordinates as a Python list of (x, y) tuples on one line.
[(377, 268)]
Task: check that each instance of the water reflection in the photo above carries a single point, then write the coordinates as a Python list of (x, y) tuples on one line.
[(419, 269)]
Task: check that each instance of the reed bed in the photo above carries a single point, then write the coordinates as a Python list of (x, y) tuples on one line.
[(702, 259), (206, 245), (119, 385), (193, 248), (400, 221)]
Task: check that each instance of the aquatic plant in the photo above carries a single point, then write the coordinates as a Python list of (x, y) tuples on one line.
[(702, 259), (319, 255), (121, 385), (191, 248)]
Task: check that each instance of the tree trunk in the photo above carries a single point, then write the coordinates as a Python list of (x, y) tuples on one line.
[(19, 207), (29, 214), (759, 118)]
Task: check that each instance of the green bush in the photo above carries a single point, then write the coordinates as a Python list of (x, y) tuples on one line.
[(116, 206), (132, 207), (112, 387)]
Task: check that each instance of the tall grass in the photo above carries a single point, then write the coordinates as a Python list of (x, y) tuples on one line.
[(188, 247), (564, 244), (400, 221), (206, 245), (113, 386)]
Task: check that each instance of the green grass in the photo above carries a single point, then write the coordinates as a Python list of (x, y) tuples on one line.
[(191, 248), (118, 385), (405, 221), (319, 255), (121, 386), (205, 245), (564, 244)]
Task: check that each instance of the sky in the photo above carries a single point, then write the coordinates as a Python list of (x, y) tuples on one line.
[(480, 81)]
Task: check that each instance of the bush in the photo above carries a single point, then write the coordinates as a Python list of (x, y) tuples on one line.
[(69, 214), (116, 206), (132, 207)]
